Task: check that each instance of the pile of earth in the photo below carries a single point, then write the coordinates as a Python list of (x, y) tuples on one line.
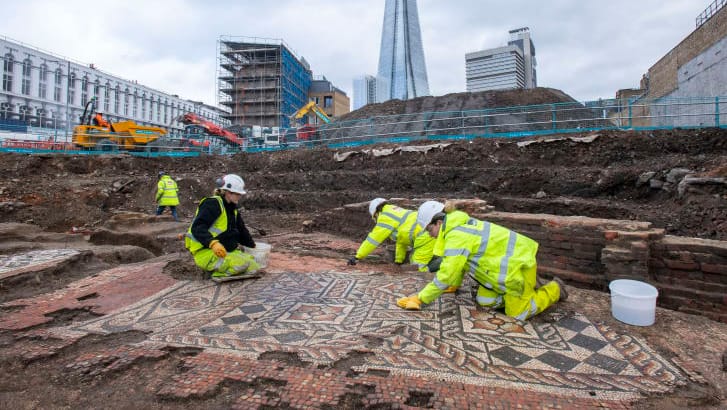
[(476, 113), (461, 102), (614, 174)]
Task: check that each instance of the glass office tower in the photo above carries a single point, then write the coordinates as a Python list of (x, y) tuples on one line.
[(401, 59)]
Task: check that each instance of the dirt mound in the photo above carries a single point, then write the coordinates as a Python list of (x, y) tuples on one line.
[(480, 113), (461, 102)]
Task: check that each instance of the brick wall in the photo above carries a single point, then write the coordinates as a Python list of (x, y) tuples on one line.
[(690, 273)]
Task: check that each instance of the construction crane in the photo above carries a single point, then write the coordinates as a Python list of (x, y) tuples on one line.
[(311, 106)]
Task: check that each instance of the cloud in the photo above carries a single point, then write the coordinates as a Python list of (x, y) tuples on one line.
[(587, 49)]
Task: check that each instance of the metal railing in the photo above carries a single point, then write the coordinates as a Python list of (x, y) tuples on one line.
[(542, 119), (710, 11)]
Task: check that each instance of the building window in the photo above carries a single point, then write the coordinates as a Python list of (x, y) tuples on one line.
[(84, 90), (126, 102), (71, 88), (97, 90), (5, 110), (42, 117), (159, 110), (117, 97), (58, 77), (135, 104), (25, 113), (8, 72), (327, 101), (106, 96), (42, 86), (143, 106), (25, 84)]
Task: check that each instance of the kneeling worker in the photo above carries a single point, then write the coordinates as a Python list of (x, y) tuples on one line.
[(500, 260), (218, 229), (400, 225)]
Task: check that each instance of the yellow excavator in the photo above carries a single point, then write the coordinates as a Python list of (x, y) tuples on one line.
[(107, 136), (311, 106)]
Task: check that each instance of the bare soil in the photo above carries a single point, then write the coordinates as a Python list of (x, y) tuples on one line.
[(616, 174)]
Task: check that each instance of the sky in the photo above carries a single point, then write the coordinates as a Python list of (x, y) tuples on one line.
[(588, 49)]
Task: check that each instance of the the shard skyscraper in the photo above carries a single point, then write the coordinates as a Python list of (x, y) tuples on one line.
[(402, 70)]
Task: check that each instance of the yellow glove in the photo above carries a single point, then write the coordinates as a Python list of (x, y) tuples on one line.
[(410, 303), (218, 249), (451, 289)]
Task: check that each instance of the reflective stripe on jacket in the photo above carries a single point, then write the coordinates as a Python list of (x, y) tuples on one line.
[(400, 225), (167, 192), (495, 256), (219, 226)]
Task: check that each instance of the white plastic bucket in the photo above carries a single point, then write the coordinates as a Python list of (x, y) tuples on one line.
[(633, 302), (260, 252)]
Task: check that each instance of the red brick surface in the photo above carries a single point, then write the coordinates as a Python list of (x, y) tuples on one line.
[(113, 289)]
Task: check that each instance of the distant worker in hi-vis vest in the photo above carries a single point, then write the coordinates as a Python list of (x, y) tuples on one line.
[(167, 194)]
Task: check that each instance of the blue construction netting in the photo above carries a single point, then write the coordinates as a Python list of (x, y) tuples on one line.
[(295, 81)]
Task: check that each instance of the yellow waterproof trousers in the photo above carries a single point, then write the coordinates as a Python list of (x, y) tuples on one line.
[(235, 263), (529, 304)]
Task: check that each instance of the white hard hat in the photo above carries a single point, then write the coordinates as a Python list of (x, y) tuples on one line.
[(375, 204), (233, 183), (426, 212)]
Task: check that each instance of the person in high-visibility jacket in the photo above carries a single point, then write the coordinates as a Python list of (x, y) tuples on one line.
[(218, 229), (398, 224), (500, 260), (167, 194)]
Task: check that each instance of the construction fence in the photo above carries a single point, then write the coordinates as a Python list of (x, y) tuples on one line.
[(521, 121)]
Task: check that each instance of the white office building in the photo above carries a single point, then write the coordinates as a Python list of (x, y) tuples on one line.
[(364, 91), (511, 66), (41, 89)]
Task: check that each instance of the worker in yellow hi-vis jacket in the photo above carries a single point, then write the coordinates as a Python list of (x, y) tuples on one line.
[(167, 194), (399, 225), (218, 230), (500, 260)]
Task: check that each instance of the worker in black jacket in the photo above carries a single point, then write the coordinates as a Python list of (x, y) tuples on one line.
[(218, 229)]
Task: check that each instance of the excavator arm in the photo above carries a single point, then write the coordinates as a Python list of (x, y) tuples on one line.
[(311, 106), (211, 128)]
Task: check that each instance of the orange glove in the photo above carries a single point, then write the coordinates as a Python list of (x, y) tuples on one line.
[(451, 289), (410, 303), (218, 249)]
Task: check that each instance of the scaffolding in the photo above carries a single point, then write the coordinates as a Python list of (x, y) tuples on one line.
[(260, 81)]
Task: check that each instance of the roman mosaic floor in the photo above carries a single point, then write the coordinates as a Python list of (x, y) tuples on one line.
[(323, 317)]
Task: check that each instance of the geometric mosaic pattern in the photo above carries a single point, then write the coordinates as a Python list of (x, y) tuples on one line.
[(27, 261), (324, 316)]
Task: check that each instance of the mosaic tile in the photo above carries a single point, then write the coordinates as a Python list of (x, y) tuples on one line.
[(324, 317), (29, 261)]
